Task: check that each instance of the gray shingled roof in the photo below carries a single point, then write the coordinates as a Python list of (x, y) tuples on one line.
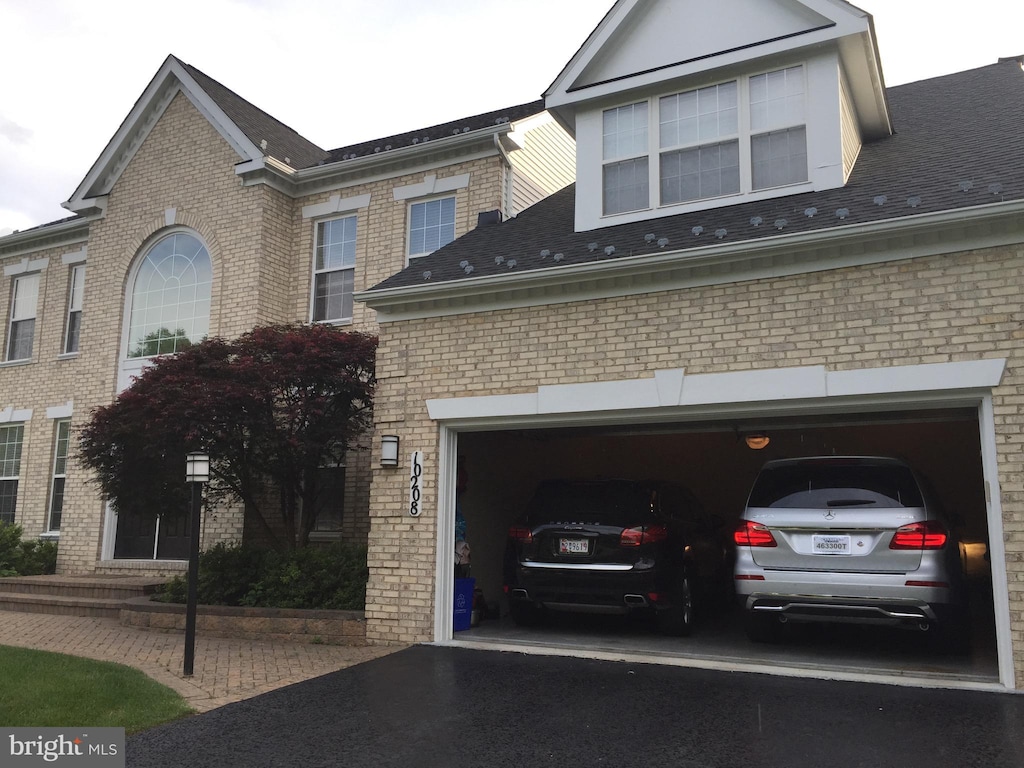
[(257, 125), (959, 143), (433, 133)]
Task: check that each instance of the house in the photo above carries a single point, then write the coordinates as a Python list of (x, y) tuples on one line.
[(206, 216), (762, 240)]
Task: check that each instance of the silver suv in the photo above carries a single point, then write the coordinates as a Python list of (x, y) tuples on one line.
[(847, 539)]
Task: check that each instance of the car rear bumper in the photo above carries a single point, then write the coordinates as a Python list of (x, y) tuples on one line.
[(590, 591)]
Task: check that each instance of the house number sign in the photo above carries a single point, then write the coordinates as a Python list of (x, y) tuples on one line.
[(415, 483)]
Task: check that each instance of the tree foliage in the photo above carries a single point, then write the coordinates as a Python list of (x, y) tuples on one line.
[(270, 408)]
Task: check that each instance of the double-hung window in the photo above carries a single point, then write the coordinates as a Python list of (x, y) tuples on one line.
[(10, 468), (334, 270), (778, 143), (73, 327), (60, 469), (625, 182), (431, 225), (730, 138), (24, 301)]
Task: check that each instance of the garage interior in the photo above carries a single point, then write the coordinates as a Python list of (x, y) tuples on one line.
[(713, 458)]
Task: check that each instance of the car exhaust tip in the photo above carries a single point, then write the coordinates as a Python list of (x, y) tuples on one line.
[(635, 601), (520, 593)]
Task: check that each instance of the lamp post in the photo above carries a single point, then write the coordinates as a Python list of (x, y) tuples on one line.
[(197, 472)]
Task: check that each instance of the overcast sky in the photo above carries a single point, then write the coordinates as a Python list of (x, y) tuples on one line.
[(344, 71)]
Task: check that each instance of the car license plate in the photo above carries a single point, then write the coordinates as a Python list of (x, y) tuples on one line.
[(830, 544), (572, 547)]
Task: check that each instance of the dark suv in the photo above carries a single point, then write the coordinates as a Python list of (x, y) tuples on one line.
[(613, 546)]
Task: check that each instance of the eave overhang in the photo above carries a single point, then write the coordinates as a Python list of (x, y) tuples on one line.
[(63, 233), (907, 237)]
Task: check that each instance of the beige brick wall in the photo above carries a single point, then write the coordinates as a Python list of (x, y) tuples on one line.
[(928, 310)]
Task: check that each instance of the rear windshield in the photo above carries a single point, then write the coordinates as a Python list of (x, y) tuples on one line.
[(836, 485), (618, 504)]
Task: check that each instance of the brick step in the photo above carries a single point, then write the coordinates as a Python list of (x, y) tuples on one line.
[(61, 605), (80, 587)]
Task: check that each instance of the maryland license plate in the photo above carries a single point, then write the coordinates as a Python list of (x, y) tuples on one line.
[(572, 547)]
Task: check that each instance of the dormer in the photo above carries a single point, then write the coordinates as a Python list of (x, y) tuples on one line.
[(685, 105)]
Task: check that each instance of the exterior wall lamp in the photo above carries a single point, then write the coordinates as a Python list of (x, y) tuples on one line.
[(389, 450)]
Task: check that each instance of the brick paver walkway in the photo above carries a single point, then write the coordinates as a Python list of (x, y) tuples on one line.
[(226, 670)]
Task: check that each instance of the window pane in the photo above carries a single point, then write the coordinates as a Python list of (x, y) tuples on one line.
[(431, 225), (779, 158), (704, 115), (10, 467), (174, 284), (336, 243), (692, 174), (332, 296), (20, 346), (777, 99), (625, 131), (626, 186)]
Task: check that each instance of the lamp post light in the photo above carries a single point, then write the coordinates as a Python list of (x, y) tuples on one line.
[(197, 472)]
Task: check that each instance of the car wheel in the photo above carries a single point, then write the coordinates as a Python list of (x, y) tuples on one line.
[(524, 614), (677, 619), (762, 628)]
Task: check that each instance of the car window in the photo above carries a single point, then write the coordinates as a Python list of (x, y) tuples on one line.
[(835, 485), (619, 504)]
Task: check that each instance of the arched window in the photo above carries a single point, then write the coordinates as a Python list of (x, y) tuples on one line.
[(170, 297)]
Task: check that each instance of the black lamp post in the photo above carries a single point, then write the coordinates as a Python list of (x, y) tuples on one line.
[(197, 472)]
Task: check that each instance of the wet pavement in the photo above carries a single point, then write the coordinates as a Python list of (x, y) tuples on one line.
[(443, 706)]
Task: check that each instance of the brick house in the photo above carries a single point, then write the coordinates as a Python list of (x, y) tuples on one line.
[(206, 216), (762, 238)]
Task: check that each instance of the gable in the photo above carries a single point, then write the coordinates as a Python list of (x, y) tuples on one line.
[(658, 35)]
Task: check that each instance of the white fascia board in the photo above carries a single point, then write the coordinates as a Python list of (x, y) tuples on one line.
[(47, 236), (172, 78), (708, 392), (648, 273)]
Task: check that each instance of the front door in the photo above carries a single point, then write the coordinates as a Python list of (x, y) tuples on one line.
[(149, 536)]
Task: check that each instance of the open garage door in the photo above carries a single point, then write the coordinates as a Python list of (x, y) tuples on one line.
[(715, 460)]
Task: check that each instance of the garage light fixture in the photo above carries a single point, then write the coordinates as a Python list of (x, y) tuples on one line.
[(757, 441), (389, 450)]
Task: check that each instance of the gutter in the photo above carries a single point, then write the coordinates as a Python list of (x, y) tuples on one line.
[(645, 264), (47, 231)]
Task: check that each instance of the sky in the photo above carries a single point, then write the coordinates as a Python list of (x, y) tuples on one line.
[(345, 71)]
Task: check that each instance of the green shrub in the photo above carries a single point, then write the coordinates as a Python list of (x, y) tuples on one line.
[(25, 558), (331, 577)]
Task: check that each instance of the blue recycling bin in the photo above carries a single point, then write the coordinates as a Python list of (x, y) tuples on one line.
[(463, 615)]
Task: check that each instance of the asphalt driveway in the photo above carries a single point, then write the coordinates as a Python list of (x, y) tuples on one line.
[(455, 707)]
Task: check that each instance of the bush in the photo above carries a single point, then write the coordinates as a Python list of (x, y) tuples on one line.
[(25, 558), (332, 577)]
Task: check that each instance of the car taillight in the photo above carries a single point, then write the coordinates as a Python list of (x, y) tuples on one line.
[(751, 534), (521, 534), (930, 534), (643, 534)]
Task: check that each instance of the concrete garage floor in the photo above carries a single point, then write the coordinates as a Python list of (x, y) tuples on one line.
[(718, 642)]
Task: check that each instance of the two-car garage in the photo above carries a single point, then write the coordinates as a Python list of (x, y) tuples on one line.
[(712, 434)]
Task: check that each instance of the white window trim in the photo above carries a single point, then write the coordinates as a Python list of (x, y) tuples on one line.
[(11, 320), (17, 477), (431, 186), (25, 266), (75, 257), (54, 476), (76, 269), (410, 257), (336, 205), (352, 214)]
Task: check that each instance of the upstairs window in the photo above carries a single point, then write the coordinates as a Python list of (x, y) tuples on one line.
[(76, 293), (10, 468), (625, 174), (170, 300), (24, 301), (334, 270), (730, 138), (431, 225), (778, 143)]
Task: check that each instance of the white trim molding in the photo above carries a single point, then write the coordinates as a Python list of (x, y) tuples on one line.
[(336, 204), (26, 266), (431, 185), (75, 257), (61, 411), (11, 416), (674, 389)]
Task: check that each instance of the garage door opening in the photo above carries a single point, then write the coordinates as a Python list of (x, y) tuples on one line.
[(714, 459)]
